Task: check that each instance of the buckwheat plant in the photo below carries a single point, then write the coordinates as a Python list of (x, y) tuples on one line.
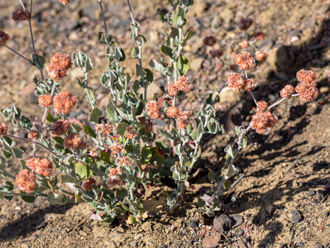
[(262, 121), (110, 158)]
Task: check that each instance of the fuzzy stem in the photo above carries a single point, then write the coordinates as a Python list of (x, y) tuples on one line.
[(34, 142)]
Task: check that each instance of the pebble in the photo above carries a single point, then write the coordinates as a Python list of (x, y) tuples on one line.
[(238, 220), (222, 223), (193, 224), (270, 209), (296, 216), (211, 241), (326, 213), (318, 246), (311, 193)]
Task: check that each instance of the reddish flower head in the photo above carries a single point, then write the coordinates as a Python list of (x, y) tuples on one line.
[(45, 100), (244, 44), (182, 120), (42, 167), (124, 161), (209, 41), (87, 184), (260, 56), (64, 102), (104, 129), (114, 178), (152, 109), (74, 141), (287, 91), (60, 127), (172, 112), (116, 148), (263, 120), (64, 2), (26, 181), (3, 129), (262, 106), (245, 23), (306, 76), (183, 84), (3, 38), (21, 15), (33, 135), (172, 90), (250, 84), (245, 61), (307, 92), (60, 63), (235, 81)]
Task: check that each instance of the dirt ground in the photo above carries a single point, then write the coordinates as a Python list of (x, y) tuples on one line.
[(283, 200)]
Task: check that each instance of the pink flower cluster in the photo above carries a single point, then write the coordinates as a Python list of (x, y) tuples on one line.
[(63, 102), (60, 63), (21, 15), (26, 181), (42, 167), (306, 89), (237, 83), (181, 84)]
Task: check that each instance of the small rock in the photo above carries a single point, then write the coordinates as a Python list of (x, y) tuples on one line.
[(193, 224), (270, 210), (241, 244), (211, 241), (318, 246), (296, 216), (326, 213), (222, 223), (196, 64), (301, 244), (227, 95), (311, 193), (238, 220)]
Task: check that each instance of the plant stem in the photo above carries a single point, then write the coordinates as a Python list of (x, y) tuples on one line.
[(18, 54), (7, 174), (103, 17), (139, 43), (34, 142)]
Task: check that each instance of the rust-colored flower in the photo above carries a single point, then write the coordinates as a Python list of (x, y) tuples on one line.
[(4, 37), (245, 23), (216, 53), (183, 84), (104, 129), (152, 109), (209, 41), (244, 44), (44, 167), (235, 81), (124, 161), (172, 112), (287, 91), (63, 102), (114, 178), (45, 100), (87, 184), (33, 135), (182, 119), (26, 181), (244, 60), (32, 163), (306, 92), (306, 76), (262, 106), (116, 148), (3, 129), (21, 15), (74, 141), (64, 2), (172, 90), (59, 127), (263, 120), (250, 84), (260, 56), (60, 63), (130, 133)]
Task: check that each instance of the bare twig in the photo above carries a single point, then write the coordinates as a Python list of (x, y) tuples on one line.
[(103, 17), (18, 54)]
